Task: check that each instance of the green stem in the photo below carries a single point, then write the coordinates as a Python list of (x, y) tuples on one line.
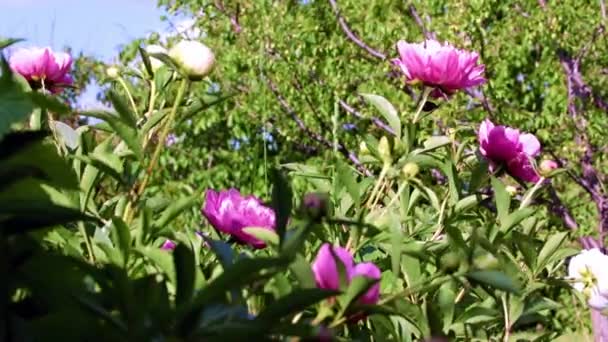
[(423, 98), (87, 242), (159, 146), (383, 173), (395, 198), (124, 85), (528, 198)]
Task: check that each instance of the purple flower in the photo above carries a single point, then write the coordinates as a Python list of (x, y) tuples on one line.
[(441, 66), (327, 275), (42, 66), (171, 139), (168, 245), (229, 212), (507, 146)]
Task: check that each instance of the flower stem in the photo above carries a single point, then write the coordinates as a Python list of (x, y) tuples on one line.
[(124, 85), (383, 173), (87, 242), (128, 214), (528, 198), (423, 98)]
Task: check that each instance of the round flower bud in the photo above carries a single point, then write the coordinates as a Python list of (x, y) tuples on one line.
[(547, 166), (112, 72), (314, 205), (410, 170), (511, 190), (384, 148), (194, 58), (363, 150)]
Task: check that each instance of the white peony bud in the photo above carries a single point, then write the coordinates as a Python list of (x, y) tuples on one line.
[(155, 62), (589, 275), (195, 58), (112, 72)]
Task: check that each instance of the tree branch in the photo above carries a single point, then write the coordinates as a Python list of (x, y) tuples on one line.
[(351, 35), (314, 135)]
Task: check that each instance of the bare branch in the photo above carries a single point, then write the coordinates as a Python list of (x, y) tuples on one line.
[(351, 35), (314, 135)]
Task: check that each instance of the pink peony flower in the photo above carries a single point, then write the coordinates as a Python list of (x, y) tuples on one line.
[(229, 212), (443, 67), (507, 146), (168, 245), (327, 275), (42, 66)]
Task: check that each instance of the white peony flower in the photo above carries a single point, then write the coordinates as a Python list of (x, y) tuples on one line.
[(155, 62), (588, 272), (195, 58)]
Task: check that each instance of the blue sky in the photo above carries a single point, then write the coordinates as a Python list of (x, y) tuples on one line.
[(97, 27)]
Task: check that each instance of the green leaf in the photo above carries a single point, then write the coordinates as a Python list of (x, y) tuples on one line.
[(174, 210), (303, 272), (502, 199), (346, 179), (433, 143), (123, 109), (551, 246), (50, 103), (184, 260), (6, 42), (16, 104), (515, 218), (126, 132), (40, 161), (387, 110), (282, 197), (242, 272), (222, 250), (121, 237), (264, 234), (153, 120), (496, 279), (294, 302), (357, 287), (162, 259), (146, 59)]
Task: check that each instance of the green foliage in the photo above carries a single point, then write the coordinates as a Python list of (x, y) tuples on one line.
[(84, 212)]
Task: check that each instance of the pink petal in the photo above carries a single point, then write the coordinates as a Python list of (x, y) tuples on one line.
[(369, 270), (530, 145)]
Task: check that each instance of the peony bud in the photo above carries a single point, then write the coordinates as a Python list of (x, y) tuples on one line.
[(195, 58), (363, 150), (410, 170), (112, 72), (511, 190), (547, 166), (314, 205), (168, 245), (384, 148)]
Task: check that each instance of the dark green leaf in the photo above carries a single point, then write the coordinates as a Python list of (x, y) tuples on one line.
[(496, 279)]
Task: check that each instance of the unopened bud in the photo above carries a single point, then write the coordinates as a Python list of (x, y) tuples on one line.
[(547, 166), (194, 58), (363, 150), (511, 190), (384, 148), (485, 261), (410, 170), (112, 72), (314, 205)]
